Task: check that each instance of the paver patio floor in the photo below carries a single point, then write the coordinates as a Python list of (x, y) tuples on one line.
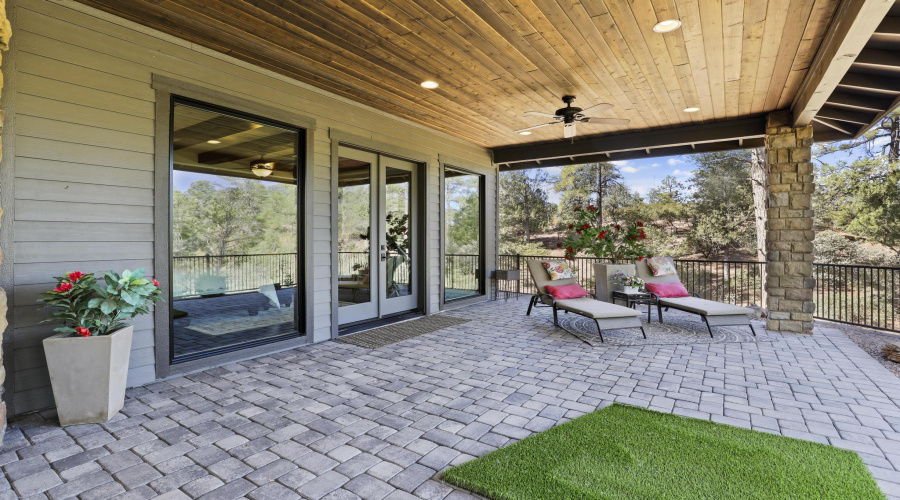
[(337, 421)]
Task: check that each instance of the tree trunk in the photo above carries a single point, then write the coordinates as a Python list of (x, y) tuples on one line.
[(759, 174)]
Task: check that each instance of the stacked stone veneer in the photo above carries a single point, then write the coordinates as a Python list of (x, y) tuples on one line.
[(5, 32), (789, 235)]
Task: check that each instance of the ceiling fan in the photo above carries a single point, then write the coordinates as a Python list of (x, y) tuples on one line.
[(569, 115)]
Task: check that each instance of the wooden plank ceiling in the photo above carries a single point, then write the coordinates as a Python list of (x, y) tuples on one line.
[(497, 59)]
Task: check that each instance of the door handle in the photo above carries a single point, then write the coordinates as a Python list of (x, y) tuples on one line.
[(383, 257)]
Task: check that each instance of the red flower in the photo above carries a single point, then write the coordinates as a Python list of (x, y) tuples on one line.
[(643, 235), (84, 332), (640, 224), (75, 276), (601, 235), (585, 226), (63, 287), (156, 283), (592, 208), (559, 245), (571, 226), (618, 227), (570, 250)]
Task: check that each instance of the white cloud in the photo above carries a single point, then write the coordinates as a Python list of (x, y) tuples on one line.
[(621, 163), (629, 170), (674, 161), (654, 165)]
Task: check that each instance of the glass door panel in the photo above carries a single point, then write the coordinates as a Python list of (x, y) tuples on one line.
[(398, 234), (463, 241), (356, 218)]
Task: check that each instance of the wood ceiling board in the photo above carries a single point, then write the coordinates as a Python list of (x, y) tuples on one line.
[(497, 59)]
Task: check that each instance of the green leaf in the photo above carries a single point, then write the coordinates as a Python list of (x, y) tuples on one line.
[(129, 297), (136, 274), (127, 275), (108, 306)]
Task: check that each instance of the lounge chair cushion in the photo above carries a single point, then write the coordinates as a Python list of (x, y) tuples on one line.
[(596, 309), (668, 290), (704, 307), (570, 291)]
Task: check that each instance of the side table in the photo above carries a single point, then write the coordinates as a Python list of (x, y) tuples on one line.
[(507, 275), (632, 299)]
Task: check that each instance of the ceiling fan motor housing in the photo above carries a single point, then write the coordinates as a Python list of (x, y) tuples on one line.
[(569, 112)]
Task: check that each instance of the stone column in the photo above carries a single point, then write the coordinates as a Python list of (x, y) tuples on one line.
[(789, 235), (5, 33)]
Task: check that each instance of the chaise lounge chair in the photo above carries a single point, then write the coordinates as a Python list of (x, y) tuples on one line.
[(713, 313), (607, 316)]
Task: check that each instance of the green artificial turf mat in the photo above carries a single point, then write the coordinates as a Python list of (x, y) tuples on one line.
[(624, 452)]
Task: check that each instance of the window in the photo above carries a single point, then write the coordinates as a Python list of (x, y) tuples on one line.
[(235, 231), (463, 234)]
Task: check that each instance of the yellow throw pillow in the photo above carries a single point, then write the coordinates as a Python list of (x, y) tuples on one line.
[(661, 266), (558, 270)]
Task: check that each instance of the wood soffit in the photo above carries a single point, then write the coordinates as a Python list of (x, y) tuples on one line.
[(495, 60)]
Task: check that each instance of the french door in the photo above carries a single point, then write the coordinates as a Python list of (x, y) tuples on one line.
[(377, 217)]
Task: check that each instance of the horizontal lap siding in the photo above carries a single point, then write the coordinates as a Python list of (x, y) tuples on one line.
[(84, 142)]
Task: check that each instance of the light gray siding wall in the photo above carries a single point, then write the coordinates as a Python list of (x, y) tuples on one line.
[(79, 148)]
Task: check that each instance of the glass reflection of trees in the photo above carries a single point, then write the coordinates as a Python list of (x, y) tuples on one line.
[(463, 234)]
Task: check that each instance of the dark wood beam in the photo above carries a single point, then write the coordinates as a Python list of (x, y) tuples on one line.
[(871, 83), (890, 26), (840, 127), (845, 115), (860, 102), (644, 143), (638, 154), (852, 26), (878, 58)]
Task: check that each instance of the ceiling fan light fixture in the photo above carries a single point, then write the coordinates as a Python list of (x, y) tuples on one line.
[(430, 84), (691, 109), (262, 168), (667, 26)]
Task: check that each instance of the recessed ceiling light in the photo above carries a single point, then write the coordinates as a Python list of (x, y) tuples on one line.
[(525, 133), (667, 26), (691, 109), (429, 84), (214, 142)]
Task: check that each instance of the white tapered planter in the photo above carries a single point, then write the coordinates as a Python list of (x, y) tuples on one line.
[(603, 272), (88, 375)]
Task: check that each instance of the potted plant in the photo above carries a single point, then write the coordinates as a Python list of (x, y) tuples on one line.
[(615, 242), (88, 357), (627, 283)]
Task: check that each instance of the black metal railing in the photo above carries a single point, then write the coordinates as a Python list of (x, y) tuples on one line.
[(195, 275), (461, 271), (857, 295)]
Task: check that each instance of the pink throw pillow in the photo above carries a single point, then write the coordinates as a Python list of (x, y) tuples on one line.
[(561, 292), (668, 290)]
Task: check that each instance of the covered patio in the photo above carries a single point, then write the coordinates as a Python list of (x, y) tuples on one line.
[(338, 421), (360, 113)]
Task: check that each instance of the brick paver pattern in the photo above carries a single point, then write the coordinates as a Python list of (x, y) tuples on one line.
[(336, 421)]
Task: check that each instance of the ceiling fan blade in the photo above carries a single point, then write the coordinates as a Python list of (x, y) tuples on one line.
[(569, 130), (538, 113), (603, 106), (606, 121), (534, 127)]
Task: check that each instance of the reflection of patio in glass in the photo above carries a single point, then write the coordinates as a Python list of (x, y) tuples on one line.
[(213, 323)]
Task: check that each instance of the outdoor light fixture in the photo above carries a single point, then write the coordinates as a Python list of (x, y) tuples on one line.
[(691, 109), (213, 141), (525, 133), (429, 84), (262, 168), (667, 26)]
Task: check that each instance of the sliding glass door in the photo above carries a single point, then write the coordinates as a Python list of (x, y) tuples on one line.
[(234, 234), (463, 234)]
